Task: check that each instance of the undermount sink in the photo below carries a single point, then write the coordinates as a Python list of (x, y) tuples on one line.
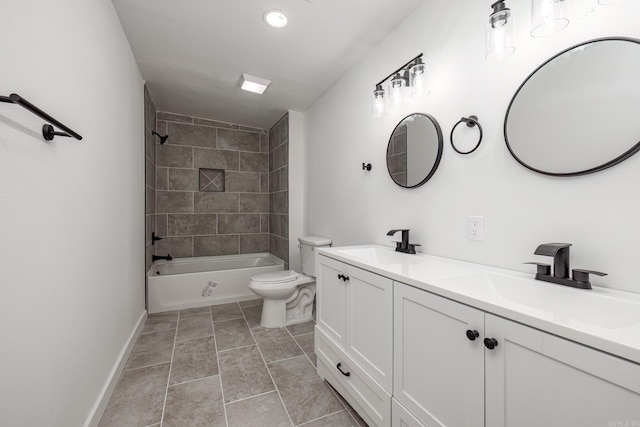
[(568, 305), (374, 254)]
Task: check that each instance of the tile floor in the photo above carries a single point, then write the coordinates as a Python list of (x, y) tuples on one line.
[(216, 366)]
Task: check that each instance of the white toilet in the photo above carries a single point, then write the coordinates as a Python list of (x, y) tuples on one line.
[(288, 296)]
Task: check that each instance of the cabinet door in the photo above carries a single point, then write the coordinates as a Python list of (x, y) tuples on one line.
[(438, 371), (331, 295), (370, 323), (536, 379)]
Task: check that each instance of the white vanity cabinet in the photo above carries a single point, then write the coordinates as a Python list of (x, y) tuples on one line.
[(354, 336), (529, 379)]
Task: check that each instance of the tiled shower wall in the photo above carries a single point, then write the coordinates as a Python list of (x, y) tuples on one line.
[(279, 189), (150, 175), (192, 219)]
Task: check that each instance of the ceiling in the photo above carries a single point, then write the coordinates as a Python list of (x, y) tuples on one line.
[(192, 53)]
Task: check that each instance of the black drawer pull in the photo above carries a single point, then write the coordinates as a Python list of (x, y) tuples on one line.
[(490, 343), (346, 374)]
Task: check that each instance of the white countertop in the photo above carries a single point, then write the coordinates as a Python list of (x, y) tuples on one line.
[(601, 318)]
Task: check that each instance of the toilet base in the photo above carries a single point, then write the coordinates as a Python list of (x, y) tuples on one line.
[(277, 313)]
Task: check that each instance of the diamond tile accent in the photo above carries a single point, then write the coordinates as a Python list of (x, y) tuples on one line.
[(211, 180)]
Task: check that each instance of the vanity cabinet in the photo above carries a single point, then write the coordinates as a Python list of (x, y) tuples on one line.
[(446, 375), (354, 336)]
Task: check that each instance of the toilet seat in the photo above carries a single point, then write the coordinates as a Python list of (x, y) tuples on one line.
[(276, 277)]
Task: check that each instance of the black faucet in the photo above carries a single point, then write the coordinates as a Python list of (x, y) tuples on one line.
[(157, 257), (560, 254), (404, 245)]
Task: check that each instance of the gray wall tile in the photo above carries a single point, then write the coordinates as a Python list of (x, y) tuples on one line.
[(149, 173), (274, 224), (216, 245), (264, 183), (264, 223), (191, 135), (150, 226), (284, 226), (178, 247), (250, 129), (192, 225), (279, 247), (238, 223), (254, 162), (279, 202), (264, 143), (162, 178), (214, 123), (238, 140), (242, 182), (216, 203), (216, 159), (274, 137), (161, 225), (284, 129), (150, 145), (171, 117), (183, 179), (175, 156), (251, 203), (174, 202), (281, 156), (254, 243), (284, 178), (150, 202)]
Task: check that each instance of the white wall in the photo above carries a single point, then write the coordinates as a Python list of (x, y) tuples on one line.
[(71, 212), (598, 213)]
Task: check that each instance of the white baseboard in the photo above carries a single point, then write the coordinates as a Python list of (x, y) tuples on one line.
[(101, 404)]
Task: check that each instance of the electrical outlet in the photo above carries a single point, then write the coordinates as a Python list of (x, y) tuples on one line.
[(475, 229)]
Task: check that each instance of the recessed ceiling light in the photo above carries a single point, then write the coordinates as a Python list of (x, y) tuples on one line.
[(275, 18), (254, 84)]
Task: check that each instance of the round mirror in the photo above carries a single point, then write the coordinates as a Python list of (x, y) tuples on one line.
[(578, 112), (414, 150)]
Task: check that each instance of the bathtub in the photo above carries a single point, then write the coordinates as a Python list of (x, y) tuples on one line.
[(195, 282)]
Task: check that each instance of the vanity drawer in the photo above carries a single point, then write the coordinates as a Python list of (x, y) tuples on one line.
[(364, 394)]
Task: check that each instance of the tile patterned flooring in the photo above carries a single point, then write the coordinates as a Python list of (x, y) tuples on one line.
[(216, 366)]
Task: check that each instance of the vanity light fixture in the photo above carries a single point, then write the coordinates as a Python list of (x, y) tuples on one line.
[(499, 32), (608, 2), (254, 84), (275, 18), (411, 76), (548, 17)]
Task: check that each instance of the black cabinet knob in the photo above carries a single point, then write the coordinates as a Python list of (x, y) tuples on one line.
[(345, 278), (472, 334), (490, 343), (340, 277)]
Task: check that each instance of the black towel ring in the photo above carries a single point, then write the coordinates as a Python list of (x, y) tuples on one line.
[(471, 121)]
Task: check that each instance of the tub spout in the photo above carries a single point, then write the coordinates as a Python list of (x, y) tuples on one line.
[(157, 257)]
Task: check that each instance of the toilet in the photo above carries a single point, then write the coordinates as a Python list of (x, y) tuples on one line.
[(288, 295)]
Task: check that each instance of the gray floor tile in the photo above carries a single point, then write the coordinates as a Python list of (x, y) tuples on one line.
[(275, 344), (225, 312), (244, 374), (152, 348), (232, 334), (195, 310), (341, 419), (251, 302), (304, 394), (302, 328), (259, 411), (359, 421), (307, 343), (194, 326), (161, 321), (197, 403), (194, 359), (138, 398), (253, 315)]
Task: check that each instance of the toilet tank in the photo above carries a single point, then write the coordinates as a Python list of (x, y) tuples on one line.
[(308, 247)]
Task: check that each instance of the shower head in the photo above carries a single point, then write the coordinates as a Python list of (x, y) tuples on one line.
[(163, 139)]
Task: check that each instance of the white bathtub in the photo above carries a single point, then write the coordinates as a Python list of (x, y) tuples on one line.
[(195, 282)]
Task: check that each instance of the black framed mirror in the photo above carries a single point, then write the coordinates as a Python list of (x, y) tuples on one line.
[(414, 150), (578, 112)]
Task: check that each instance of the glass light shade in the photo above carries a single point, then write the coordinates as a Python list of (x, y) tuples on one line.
[(548, 17), (418, 79), (397, 90), (378, 102), (499, 30)]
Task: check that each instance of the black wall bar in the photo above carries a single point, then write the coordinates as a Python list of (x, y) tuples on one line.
[(48, 131)]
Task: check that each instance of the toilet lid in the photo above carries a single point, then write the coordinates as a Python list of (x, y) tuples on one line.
[(276, 277)]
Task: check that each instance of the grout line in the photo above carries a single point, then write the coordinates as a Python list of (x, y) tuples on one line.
[(251, 397), (287, 358), (324, 416), (268, 371), (195, 379), (159, 330), (166, 391), (215, 340), (238, 348), (302, 349)]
